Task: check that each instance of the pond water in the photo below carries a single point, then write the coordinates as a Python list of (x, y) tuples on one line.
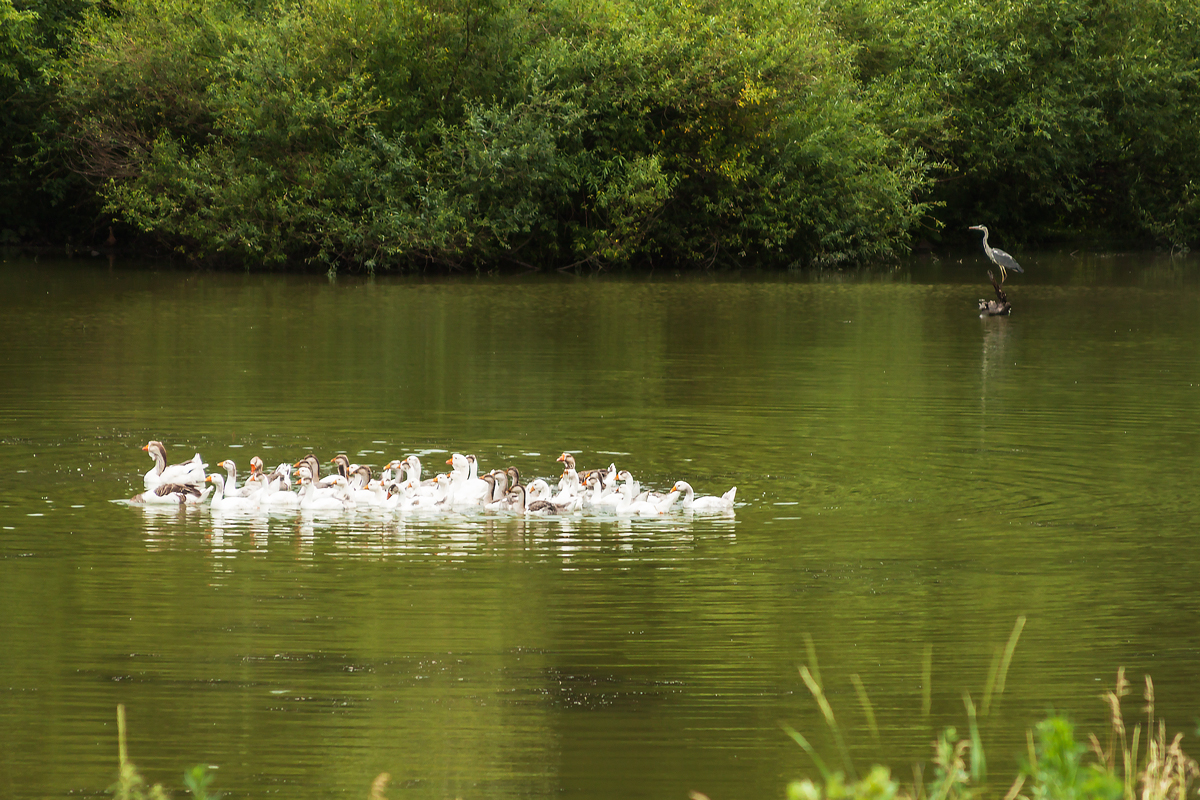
[(911, 480)]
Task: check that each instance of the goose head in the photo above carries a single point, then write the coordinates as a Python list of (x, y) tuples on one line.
[(684, 488), (158, 451), (414, 468), (341, 464), (360, 476), (311, 463), (516, 498)]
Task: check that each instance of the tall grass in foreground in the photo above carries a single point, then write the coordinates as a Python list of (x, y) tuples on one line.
[(131, 785), (1056, 767)]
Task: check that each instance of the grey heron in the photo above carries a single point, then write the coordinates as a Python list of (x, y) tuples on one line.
[(997, 256)]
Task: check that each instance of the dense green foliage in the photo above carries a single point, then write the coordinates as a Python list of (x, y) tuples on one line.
[(1050, 116), (361, 134), (36, 186)]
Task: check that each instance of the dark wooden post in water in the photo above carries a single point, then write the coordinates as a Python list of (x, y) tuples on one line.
[(998, 307)]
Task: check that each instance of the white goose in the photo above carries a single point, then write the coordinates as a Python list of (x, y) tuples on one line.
[(613, 496), (564, 501), (222, 503), (466, 487), (706, 504), (631, 507), (401, 497), (282, 496), (334, 499), (231, 487), (373, 495), (412, 471), (430, 498), (186, 473)]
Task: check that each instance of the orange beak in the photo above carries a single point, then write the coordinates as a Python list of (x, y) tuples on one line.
[(450, 460), (146, 447)]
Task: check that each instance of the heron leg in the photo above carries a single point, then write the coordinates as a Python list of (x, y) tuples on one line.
[(1003, 274)]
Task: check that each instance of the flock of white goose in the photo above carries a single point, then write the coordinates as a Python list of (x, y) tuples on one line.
[(401, 489)]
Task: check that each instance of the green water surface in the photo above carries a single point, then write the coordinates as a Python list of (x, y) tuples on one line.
[(909, 476)]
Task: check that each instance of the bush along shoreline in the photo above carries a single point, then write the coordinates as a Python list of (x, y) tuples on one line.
[(487, 134)]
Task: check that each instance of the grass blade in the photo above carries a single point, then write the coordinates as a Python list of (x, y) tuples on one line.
[(978, 763), (808, 748), (122, 750), (993, 673), (1008, 654), (866, 704), (827, 712), (927, 680), (812, 658)]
